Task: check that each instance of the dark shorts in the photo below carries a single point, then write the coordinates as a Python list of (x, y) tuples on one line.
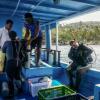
[(12, 70), (36, 43)]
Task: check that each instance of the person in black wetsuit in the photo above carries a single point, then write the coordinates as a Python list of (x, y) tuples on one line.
[(81, 57), (11, 49)]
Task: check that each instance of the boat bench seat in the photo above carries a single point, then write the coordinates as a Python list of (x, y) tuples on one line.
[(88, 82)]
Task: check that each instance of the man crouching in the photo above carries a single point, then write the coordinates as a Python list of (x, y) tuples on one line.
[(81, 58)]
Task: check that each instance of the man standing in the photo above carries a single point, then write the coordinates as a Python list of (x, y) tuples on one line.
[(33, 35), (3, 38), (4, 32), (13, 65)]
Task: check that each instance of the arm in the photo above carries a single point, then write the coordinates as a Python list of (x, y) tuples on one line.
[(4, 47), (36, 29), (0, 36), (70, 54), (25, 33)]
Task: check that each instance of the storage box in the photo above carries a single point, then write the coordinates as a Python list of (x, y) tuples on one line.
[(55, 93), (37, 83)]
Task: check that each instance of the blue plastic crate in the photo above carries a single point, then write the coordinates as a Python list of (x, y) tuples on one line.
[(56, 93)]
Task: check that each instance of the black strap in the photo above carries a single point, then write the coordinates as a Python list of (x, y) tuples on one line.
[(16, 49)]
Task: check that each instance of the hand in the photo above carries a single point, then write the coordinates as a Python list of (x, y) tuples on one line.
[(69, 66), (1, 72)]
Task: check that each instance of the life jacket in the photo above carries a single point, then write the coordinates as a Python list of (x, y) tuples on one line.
[(29, 32)]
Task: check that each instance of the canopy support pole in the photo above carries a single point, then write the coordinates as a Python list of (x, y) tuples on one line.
[(48, 37), (56, 36), (48, 41)]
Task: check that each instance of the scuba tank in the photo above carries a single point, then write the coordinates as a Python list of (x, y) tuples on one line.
[(4, 89), (28, 63), (50, 58)]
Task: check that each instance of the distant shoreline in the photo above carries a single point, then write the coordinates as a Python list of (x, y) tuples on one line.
[(81, 42), (68, 44)]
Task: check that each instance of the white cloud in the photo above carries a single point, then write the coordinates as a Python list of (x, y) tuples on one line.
[(93, 16)]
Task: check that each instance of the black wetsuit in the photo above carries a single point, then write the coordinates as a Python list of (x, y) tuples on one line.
[(13, 65), (80, 56)]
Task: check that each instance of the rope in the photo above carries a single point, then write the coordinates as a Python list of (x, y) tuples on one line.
[(16, 8), (33, 8)]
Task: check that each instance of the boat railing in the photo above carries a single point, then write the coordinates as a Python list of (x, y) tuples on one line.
[(51, 54)]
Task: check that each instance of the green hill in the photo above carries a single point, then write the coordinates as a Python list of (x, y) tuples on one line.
[(87, 32)]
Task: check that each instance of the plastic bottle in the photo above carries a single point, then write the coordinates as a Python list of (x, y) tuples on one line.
[(28, 64), (50, 58)]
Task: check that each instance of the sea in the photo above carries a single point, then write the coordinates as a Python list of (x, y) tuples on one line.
[(96, 54)]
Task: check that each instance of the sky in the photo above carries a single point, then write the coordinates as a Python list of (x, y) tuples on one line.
[(92, 16)]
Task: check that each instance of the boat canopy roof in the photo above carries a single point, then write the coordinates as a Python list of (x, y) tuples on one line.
[(46, 11)]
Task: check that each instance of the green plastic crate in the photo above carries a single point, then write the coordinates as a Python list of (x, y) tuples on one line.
[(55, 92)]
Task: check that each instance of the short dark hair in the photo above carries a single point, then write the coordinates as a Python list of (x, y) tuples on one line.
[(12, 35), (71, 42), (28, 15), (9, 21)]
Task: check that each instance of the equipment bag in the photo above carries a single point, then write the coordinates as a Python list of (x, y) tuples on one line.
[(2, 60)]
